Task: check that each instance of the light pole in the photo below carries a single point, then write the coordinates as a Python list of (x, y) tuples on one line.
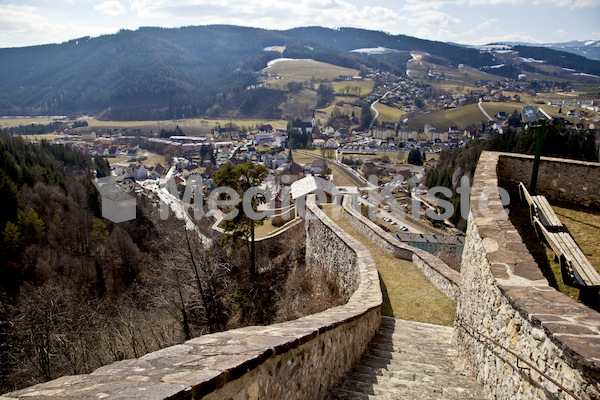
[(541, 130), (529, 115)]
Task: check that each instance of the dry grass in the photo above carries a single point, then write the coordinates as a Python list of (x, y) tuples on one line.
[(387, 113), (153, 159), (466, 115), (304, 70), (264, 230), (114, 160), (183, 123), (494, 108), (436, 118), (47, 136), (584, 226), (366, 87), (542, 254), (10, 122), (302, 158), (300, 103), (94, 123), (408, 294), (341, 178)]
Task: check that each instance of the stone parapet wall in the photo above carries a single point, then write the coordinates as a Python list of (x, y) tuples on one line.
[(439, 273), (504, 296), (570, 181), (299, 359)]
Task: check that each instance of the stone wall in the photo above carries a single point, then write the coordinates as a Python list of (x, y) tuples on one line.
[(504, 296), (570, 181), (439, 273), (300, 359)]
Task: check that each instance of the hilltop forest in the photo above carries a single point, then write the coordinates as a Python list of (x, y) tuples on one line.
[(159, 73)]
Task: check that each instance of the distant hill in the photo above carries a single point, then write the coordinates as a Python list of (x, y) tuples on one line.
[(585, 48), (159, 73)]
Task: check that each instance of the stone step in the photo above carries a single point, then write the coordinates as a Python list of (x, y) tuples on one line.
[(425, 338), (409, 360), (340, 394), (408, 347), (411, 369), (410, 390), (388, 323), (414, 379), (440, 363)]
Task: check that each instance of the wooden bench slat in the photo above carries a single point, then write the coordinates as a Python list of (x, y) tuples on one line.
[(547, 214), (564, 247), (525, 193), (585, 265)]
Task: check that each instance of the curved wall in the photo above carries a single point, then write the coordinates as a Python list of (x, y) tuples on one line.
[(504, 295), (299, 359)]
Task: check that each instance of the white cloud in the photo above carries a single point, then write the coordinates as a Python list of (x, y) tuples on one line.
[(423, 32), (110, 7), (569, 3), (433, 18), (23, 25), (487, 24), (511, 37), (417, 5), (276, 14)]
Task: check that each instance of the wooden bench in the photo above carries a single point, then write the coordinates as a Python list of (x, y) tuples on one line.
[(573, 263), (546, 214), (540, 207)]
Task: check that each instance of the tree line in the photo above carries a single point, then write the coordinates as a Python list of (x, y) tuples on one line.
[(462, 161)]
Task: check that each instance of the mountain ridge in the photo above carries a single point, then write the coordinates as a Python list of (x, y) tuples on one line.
[(166, 73), (585, 48)]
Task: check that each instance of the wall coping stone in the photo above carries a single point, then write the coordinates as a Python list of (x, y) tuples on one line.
[(204, 364), (573, 327)]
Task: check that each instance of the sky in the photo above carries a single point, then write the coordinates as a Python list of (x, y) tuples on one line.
[(33, 22)]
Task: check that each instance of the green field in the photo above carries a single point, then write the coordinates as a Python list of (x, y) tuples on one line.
[(465, 116), (387, 113), (346, 100), (364, 87), (304, 70), (436, 118), (191, 122), (47, 136), (494, 108), (10, 122), (462, 117), (469, 75)]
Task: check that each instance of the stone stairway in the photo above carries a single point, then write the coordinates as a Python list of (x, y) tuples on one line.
[(409, 360)]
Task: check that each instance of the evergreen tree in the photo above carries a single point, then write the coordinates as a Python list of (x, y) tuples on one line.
[(414, 157), (240, 229)]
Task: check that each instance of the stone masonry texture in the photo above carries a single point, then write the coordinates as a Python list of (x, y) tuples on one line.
[(504, 296)]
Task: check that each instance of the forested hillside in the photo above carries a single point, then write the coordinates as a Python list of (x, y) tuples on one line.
[(78, 291), (159, 73), (347, 39)]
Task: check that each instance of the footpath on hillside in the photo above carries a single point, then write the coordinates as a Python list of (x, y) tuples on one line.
[(407, 292)]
